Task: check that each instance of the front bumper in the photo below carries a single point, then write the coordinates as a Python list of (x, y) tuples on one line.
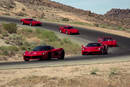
[(91, 52)]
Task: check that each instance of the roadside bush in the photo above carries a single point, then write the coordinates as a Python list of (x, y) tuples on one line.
[(96, 25), (67, 40), (15, 39), (113, 71), (5, 34), (21, 14), (8, 50), (65, 19), (10, 28), (47, 35), (94, 71)]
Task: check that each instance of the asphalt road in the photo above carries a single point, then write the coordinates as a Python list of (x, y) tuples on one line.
[(92, 35)]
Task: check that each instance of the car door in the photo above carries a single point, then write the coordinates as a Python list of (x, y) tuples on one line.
[(27, 21)]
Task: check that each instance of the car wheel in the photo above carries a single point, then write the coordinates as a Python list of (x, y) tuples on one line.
[(62, 55), (30, 24), (102, 52), (83, 54), (22, 23), (67, 32), (49, 56), (60, 31), (26, 59), (106, 52)]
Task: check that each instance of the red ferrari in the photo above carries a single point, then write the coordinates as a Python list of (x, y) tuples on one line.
[(68, 30), (108, 41), (44, 52), (30, 22), (94, 48)]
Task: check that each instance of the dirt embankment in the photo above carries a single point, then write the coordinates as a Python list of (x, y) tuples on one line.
[(97, 75)]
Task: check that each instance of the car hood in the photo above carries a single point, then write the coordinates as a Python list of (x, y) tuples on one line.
[(73, 29)]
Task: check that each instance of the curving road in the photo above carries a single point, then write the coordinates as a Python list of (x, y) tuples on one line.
[(92, 35)]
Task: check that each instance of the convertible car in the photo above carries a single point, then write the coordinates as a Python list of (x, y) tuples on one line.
[(109, 41), (30, 22), (94, 48), (44, 52), (68, 30)]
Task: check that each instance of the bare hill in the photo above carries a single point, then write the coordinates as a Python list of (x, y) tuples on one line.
[(119, 17), (54, 11)]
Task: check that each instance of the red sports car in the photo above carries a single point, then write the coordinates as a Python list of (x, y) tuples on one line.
[(44, 52), (94, 48), (108, 41), (68, 30), (30, 22)]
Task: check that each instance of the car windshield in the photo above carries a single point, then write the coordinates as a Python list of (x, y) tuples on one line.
[(70, 27), (43, 48), (30, 19), (107, 39), (94, 45)]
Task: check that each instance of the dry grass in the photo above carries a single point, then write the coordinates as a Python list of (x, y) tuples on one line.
[(68, 76)]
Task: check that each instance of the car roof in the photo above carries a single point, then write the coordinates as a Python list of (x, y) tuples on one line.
[(67, 26)]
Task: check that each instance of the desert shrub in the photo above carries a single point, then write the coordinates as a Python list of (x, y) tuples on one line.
[(120, 28), (16, 39), (65, 19), (27, 32), (113, 71), (5, 34), (10, 28), (8, 50), (81, 23), (23, 9), (21, 14), (48, 35), (96, 25), (94, 71), (67, 40)]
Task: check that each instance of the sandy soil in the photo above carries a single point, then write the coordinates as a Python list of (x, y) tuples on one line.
[(97, 75)]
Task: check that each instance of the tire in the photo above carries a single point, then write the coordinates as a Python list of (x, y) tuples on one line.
[(60, 31), (22, 23), (30, 24), (82, 54), (66, 32), (26, 59), (62, 55), (104, 52), (49, 56)]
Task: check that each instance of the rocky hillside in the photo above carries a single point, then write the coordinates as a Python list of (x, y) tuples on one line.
[(53, 11), (119, 17)]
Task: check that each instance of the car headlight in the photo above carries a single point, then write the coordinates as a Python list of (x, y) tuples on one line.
[(43, 53), (99, 48)]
